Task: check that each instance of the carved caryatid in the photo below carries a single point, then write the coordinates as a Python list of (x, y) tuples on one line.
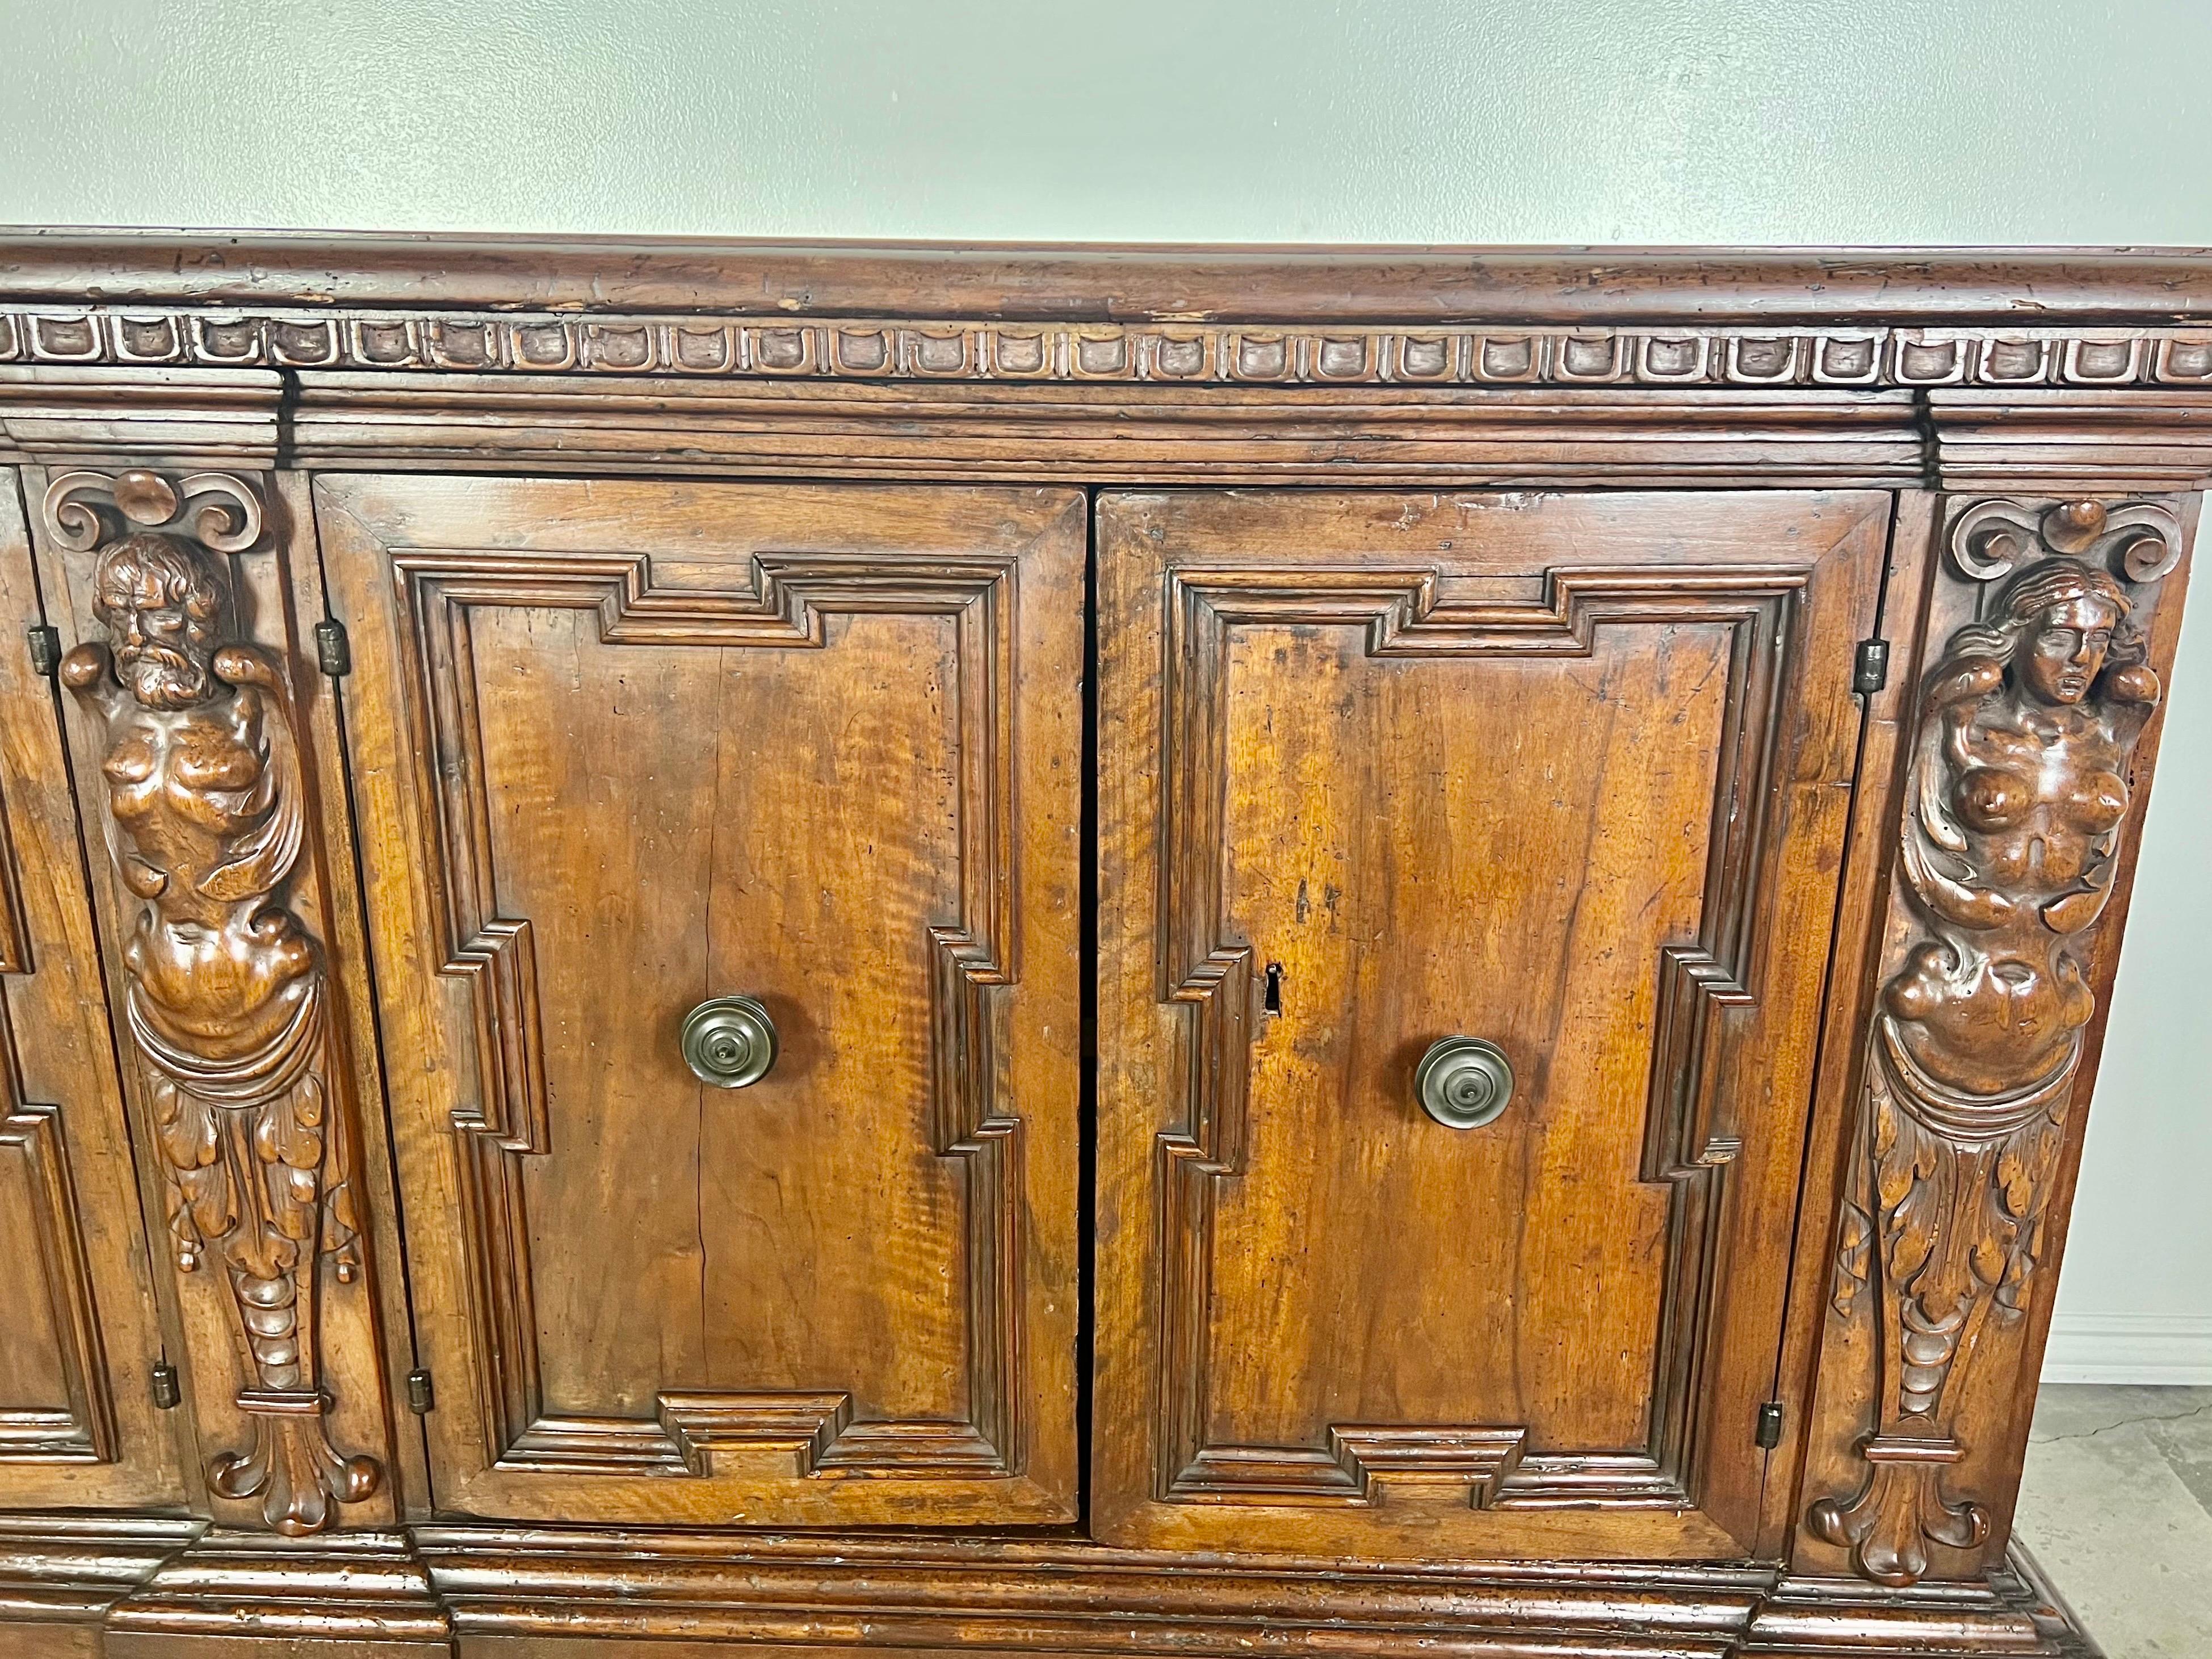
[(226, 997), (2014, 803)]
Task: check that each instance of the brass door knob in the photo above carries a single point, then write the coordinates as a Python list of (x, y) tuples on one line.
[(1464, 1082), (729, 1042)]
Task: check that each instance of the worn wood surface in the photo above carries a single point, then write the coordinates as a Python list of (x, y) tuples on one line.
[(1568, 775), (76, 1586), (1326, 284), (79, 1327), (621, 748), (1869, 850), (621, 735), (1103, 431)]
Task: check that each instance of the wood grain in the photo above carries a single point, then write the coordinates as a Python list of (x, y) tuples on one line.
[(814, 745), (1869, 851), (1342, 285), (1503, 767), (78, 1423), (718, 616)]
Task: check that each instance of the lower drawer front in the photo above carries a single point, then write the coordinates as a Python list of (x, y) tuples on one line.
[(1548, 794), (627, 749)]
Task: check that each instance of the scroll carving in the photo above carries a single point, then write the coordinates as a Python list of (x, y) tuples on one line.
[(227, 998), (2016, 796)]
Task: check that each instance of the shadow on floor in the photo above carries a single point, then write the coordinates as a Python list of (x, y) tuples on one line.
[(2117, 1505)]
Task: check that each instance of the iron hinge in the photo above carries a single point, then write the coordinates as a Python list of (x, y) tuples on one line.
[(333, 650), (422, 1397), (166, 1394), (1769, 1424), (1871, 672), (46, 649)]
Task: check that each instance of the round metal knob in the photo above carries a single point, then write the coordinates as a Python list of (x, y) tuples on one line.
[(729, 1042), (1464, 1082)]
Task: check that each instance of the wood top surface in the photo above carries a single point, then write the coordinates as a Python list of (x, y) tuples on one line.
[(2033, 286)]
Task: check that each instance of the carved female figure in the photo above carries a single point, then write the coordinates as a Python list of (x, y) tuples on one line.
[(2020, 791), (2017, 793), (226, 999)]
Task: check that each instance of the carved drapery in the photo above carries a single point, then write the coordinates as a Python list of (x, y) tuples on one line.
[(2018, 788), (226, 996)]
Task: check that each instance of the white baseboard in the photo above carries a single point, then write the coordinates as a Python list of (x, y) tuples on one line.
[(2172, 1349)]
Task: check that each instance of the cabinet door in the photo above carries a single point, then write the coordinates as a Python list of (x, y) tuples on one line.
[(79, 1331), (1565, 774), (622, 749)]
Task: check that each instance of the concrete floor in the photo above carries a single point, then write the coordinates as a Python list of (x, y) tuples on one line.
[(2117, 1505)]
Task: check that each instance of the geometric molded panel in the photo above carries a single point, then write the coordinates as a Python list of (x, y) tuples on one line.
[(439, 593), (1687, 1145)]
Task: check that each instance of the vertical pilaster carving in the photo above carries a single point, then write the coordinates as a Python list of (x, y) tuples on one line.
[(226, 997), (2017, 792)]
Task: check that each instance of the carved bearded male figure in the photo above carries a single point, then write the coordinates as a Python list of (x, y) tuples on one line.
[(226, 999), (208, 814)]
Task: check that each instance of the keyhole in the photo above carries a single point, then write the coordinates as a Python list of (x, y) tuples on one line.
[(1270, 998)]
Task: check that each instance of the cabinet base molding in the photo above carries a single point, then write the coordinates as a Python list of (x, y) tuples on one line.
[(169, 1590), (254, 1596), (60, 1576), (2014, 1611)]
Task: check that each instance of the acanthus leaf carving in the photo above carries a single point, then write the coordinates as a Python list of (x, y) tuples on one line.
[(2014, 804), (226, 999)]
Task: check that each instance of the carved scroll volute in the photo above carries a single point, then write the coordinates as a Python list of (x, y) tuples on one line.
[(226, 997), (2018, 790)]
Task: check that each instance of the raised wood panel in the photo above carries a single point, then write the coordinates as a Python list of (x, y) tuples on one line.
[(1565, 774), (78, 1423), (53, 1339), (625, 747)]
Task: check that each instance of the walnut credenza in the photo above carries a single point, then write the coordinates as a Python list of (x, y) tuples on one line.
[(718, 949)]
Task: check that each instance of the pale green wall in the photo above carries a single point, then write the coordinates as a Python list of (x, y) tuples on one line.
[(1837, 121), (1453, 120)]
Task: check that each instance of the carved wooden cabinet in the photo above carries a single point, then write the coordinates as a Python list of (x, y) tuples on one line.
[(747, 947)]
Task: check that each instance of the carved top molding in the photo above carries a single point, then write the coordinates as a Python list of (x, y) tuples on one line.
[(1297, 316), (1258, 353), (1072, 283)]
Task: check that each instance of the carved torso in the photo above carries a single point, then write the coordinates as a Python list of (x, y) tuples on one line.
[(195, 793), (2018, 804)]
